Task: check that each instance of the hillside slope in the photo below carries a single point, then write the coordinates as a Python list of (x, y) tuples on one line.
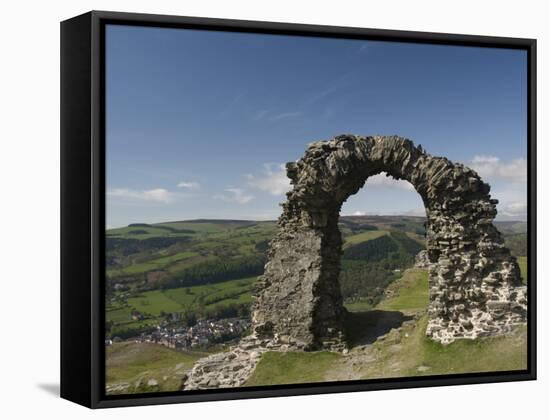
[(400, 351), (207, 268)]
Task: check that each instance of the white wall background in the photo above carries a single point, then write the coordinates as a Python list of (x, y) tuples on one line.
[(29, 233)]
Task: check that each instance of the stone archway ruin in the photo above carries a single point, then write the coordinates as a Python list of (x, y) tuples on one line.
[(475, 287)]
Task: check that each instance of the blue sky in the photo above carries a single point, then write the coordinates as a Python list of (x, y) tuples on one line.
[(199, 123)]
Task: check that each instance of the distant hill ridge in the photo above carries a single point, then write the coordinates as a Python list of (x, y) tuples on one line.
[(510, 226)]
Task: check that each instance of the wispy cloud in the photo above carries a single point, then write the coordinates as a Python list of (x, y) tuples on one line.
[(234, 195), (365, 47), (493, 168), (329, 90), (157, 194), (234, 102), (317, 96), (189, 185), (285, 115), (273, 180), (261, 114), (271, 115), (383, 181)]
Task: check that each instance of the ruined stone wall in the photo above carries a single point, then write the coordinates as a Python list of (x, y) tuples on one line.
[(474, 281)]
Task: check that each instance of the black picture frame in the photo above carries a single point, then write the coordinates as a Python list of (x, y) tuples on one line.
[(83, 209)]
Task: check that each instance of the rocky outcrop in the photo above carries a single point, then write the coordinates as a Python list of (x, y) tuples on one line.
[(475, 287), (222, 370), (232, 368)]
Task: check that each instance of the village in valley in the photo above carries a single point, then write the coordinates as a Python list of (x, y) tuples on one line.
[(205, 333)]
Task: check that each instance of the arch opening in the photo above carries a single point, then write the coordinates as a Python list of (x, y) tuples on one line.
[(382, 244), (473, 279)]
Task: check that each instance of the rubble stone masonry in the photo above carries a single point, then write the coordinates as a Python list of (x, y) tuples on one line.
[(475, 287)]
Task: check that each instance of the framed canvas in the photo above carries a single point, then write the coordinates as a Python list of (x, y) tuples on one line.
[(255, 209)]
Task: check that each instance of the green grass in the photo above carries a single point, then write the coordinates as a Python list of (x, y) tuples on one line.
[(188, 227), (364, 236), (136, 363), (154, 302), (292, 367), (184, 259), (175, 257), (411, 292), (411, 353), (523, 268), (402, 353), (482, 355), (119, 315), (180, 299), (171, 263)]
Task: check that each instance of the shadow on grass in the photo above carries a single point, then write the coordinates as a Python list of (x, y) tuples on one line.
[(364, 328)]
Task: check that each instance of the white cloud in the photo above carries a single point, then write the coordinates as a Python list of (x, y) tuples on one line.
[(273, 180), (156, 194), (235, 195), (358, 213), (261, 114), (508, 180), (365, 47), (383, 181), (512, 210), (285, 115), (317, 96), (232, 104), (492, 168), (517, 208), (190, 185), (270, 115)]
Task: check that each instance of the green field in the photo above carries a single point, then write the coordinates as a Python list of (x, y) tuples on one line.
[(158, 264), (411, 293), (135, 364), (153, 303), (363, 237), (277, 368), (174, 300)]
